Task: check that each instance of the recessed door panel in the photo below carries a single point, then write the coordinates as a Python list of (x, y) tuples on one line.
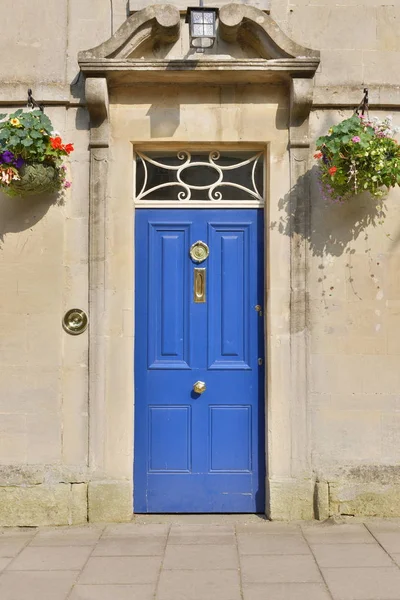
[(168, 306), (230, 423), (169, 447), (199, 374), (228, 339)]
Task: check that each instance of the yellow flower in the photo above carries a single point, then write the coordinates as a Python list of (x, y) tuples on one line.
[(15, 123)]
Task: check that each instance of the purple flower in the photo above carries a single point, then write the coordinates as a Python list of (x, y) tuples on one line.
[(7, 157), (356, 139), (19, 162)]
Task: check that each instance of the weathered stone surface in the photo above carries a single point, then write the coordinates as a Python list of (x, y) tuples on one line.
[(365, 499), (109, 501), (38, 35), (291, 500), (58, 504), (79, 503)]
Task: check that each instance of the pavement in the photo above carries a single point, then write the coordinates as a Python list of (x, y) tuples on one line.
[(195, 558)]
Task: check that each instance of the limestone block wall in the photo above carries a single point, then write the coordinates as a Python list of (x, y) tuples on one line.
[(353, 285), (354, 380)]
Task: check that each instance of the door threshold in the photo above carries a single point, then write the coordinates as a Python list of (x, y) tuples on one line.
[(199, 519)]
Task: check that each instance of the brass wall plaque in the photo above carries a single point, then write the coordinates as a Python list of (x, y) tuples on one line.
[(75, 321), (199, 251), (199, 285)]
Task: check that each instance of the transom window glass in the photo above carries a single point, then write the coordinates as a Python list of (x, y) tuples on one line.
[(199, 176)]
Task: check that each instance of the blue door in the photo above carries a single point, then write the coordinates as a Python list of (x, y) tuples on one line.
[(199, 362)]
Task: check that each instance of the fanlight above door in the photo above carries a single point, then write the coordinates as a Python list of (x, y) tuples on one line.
[(199, 176)]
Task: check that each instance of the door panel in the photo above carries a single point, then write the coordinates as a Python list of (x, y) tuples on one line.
[(199, 452), (228, 338), (168, 325)]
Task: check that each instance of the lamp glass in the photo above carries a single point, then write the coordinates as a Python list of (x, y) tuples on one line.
[(202, 23)]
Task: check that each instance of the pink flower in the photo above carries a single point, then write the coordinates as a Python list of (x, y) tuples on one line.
[(67, 184), (356, 139)]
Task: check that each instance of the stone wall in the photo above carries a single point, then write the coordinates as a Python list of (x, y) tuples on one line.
[(48, 470)]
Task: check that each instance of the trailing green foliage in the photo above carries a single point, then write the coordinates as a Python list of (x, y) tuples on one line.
[(358, 155)]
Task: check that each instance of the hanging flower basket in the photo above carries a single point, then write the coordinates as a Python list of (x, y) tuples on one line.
[(31, 155), (358, 155)]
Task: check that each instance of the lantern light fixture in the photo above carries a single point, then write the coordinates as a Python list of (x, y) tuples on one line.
[(202, 26)]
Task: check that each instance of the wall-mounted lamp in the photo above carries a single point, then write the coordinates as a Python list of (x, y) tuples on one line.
[(202, 26)]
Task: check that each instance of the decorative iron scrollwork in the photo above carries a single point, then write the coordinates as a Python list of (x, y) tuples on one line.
[(189, 175)]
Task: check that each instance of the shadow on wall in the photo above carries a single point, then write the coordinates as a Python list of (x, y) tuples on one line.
[(331, 227), (18, 214)]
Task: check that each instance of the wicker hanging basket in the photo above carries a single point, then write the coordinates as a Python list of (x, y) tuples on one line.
[(35, 179)]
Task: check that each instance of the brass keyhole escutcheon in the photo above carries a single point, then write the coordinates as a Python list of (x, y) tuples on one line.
[(199, 251)]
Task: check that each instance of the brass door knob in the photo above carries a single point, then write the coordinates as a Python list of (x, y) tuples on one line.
[(199, 387)]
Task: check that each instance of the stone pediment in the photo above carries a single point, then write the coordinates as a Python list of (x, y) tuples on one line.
[(126, 57)]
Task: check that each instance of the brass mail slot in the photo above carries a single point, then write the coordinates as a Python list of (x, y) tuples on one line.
[(199, 285)]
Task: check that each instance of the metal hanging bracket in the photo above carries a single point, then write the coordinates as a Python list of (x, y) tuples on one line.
[(363, 106), (32, 102)]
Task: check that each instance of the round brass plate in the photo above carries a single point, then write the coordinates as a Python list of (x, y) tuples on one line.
[(199, 251), (75, 321)]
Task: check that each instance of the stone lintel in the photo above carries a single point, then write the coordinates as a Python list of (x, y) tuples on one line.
[(215, 71)]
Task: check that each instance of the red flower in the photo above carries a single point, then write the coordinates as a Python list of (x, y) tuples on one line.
[(318, 155), (69, 148), (332, 170), (56, 143)]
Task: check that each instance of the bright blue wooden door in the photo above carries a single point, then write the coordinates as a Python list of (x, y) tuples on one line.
[(199, 453)]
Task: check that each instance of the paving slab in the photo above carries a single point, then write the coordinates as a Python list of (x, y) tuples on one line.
[(17, 532), (114, 592), (396, 558), (43, 585), (260, 543), (10, 547), (269, 527), (128, 529), (4, 562), (135, 545), (383, 525), (67, 536), (202, 534), (197, 557), (285, 591), (389, 540), (351, 555), (280, 569), (12, 540), (363, 583), (121, 570), (201, 560), (337, 534), (67, 558), (199, 585)]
